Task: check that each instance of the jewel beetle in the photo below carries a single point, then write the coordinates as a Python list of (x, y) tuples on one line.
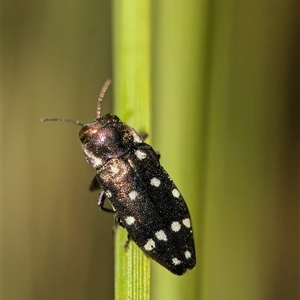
[(144, 198)]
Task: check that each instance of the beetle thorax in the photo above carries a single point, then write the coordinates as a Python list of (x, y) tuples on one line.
[(103, 140)]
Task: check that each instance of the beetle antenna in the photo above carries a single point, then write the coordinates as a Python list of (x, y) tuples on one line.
[(62, 120), (101, 96)]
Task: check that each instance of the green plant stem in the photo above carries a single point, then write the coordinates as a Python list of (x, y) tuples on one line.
[(131, 83)]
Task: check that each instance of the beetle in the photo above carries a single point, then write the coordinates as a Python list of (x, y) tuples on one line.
[(144, 198)]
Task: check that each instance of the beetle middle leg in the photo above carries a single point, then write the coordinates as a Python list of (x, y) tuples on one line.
[(118, 222)]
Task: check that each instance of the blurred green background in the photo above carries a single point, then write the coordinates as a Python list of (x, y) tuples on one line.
[(225, 120)]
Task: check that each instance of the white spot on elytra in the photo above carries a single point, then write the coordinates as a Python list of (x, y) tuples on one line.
[(186, 222), (132, 195), (155, 182), (129, 220), (149, 245), (108, 193), (175, 193), (187, 254), (115, 169), (140, 154), (161, 235), (176, 261), (175, 226)]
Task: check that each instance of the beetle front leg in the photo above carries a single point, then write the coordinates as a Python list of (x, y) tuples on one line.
[(101, 200)]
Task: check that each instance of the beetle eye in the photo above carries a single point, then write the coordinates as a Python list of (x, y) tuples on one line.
[(83, 134)]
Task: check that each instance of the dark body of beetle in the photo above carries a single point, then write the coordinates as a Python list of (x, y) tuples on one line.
[(146, 201)]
